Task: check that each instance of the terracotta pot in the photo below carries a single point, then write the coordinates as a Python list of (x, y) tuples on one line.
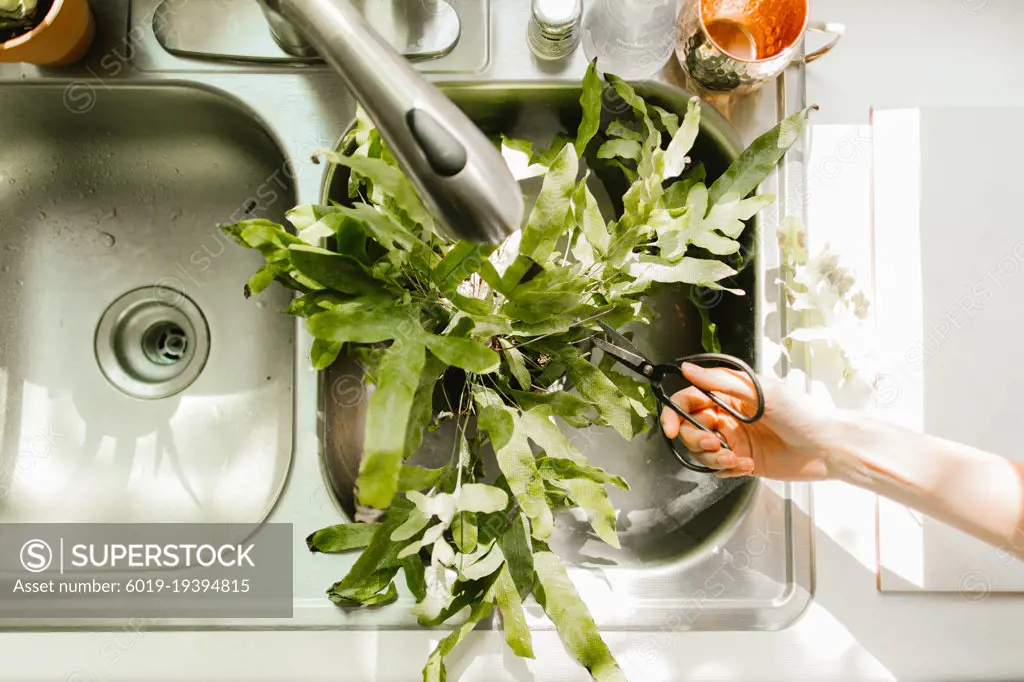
[(62, 37)]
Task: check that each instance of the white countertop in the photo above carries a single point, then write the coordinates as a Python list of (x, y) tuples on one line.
[(895, 54)]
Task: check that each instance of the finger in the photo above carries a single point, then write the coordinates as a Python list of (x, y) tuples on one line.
[(698, 440), (723, 459), (688, 400), (729, 427), (721, 380), (743, 466), (691, 400), (670, 422)]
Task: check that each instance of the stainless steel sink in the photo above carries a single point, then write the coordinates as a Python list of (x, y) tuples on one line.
[(135, 384), (121, 170)]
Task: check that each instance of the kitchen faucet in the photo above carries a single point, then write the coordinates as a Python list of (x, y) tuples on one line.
[(460, 175)]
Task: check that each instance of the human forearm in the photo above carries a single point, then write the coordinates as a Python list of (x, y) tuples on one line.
[(975, 491)]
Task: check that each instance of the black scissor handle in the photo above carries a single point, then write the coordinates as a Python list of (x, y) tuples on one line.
[(659, 373), (685, 460), (719, 359)]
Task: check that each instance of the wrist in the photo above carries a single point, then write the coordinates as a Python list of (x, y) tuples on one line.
[(854, 438), (877, 456)]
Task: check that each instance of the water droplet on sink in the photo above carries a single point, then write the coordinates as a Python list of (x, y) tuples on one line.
[(21, 282), (12, 247), (107, 239), (261, 304), (11, 181)]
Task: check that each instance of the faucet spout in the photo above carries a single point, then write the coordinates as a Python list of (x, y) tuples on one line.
[(460, 175)]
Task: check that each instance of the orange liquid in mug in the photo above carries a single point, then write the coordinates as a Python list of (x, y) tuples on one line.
[(733, 38)]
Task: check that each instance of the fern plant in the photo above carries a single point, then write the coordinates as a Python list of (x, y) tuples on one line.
[(411, 305)]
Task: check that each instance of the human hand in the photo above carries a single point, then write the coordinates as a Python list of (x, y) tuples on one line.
[(793, 441)]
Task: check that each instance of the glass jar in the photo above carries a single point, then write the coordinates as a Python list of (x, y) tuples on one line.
[(554, 30)]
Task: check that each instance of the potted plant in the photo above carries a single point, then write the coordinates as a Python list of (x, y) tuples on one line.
[(45, 32)]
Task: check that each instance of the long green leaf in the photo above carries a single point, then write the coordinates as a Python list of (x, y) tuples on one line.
[(466, 354), (708, 329), (572, 619), (689, 270), (676, 194), (386, 418), (754, 164), (435, 670), (389, 179), (517, 633), (682, 140), (465, 532), (412, 567), (550, 215), (624, 149), (590, 103), (619, 129), (515, 459), (324, 353), (588, 217), (464, 259), (342, 537), (598, 389), (377, 590), (359, 322), (567, 468), (573, 409), (333, 270), (482, 498), (381, 227), (414, 477), (381, 553), (665, 119), (516, 364), (262, 278), (518, 550), (551, 293), (419, 418), (554, 468), (264, 235), (628, 94), (558, 144), (727, 216), (592, 498), (487, 565), (676, 233)]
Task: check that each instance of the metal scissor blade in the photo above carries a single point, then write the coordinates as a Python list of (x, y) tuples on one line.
[(621, 349), (620, 340)]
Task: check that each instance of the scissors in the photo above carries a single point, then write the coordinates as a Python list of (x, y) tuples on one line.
[(619, 347)]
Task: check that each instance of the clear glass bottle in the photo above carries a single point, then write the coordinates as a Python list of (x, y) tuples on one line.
[(554, 30), (631, 38)]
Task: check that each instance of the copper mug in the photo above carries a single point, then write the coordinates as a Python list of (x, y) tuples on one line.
[(729, 45)]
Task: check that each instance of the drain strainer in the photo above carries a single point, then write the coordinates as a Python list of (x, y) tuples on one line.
[(152, 342)]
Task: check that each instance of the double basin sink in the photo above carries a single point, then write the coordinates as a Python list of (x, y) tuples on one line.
[(137, 384)]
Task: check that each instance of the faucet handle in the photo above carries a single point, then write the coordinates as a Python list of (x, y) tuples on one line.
[(286, 35)]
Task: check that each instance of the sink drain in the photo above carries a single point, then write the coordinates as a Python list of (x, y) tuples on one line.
[(152, 342)]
